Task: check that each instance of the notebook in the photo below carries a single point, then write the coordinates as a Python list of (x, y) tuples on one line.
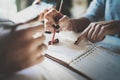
[(93, 61), (31, 12)]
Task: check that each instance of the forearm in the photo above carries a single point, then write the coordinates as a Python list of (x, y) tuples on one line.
[(119, 28), (78, 25)]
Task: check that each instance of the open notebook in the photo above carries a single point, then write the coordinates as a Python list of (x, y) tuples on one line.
[(31, 12), (92, 61)]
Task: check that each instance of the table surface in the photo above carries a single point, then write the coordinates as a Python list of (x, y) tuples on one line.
[(50, 70)]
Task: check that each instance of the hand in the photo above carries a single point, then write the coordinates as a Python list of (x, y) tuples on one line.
[(20, 50), (97, 31), (36, 1), (54, 17)]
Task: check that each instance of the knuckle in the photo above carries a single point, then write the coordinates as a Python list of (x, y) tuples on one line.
[(103, 28), (46, 21), (94, 24), (53, 10), (47, 15), (98, 26), (64, 18)]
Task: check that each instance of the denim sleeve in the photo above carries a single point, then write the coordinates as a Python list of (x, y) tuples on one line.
[(96, 10)]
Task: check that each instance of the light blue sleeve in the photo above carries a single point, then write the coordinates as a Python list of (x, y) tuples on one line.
[(96, 10)]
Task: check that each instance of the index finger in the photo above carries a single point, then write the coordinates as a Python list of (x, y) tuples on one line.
[(82, 35), (80, 38)]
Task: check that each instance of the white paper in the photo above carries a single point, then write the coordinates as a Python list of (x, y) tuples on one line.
[(30, 13), (100, 64)]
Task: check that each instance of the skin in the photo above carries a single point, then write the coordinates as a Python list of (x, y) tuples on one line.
[(64, 22), (36, 1), (94, 32), (97, 31), (19, 50)]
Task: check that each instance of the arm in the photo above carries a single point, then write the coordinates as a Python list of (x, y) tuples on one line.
[(96, 10), (94, 13), (53, 17), (78, 25), (97, 31)]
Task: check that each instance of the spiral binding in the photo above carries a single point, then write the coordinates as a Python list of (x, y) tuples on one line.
[(89, 51)]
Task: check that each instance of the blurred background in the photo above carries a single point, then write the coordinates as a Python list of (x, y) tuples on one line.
[(71, 8)]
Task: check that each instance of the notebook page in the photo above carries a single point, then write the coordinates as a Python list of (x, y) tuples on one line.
[(66, 50), (54, 71), (99, 64), (46, 70), (30, 13)]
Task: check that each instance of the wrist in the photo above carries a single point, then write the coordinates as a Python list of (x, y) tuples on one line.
[(72, 25), (78, 25)]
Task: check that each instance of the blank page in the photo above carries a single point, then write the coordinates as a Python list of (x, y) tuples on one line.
[(99, 64)]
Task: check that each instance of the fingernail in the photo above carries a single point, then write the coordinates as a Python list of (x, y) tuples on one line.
[(48, 32), (56, 26), (57, 31), (37, 3), (50, 43), (56, 41), (75, 42)]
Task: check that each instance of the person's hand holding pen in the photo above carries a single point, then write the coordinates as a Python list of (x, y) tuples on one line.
[(97, 31), (54, 17), (19, 50), (93, 32)]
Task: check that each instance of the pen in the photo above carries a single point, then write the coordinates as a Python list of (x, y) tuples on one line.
[(56, 26)]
